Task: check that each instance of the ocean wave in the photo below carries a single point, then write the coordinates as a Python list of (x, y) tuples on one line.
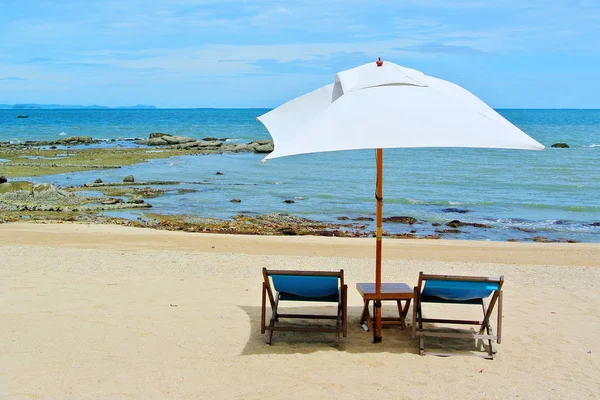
[(62, 134), (542, 206), (593, 145), (409, 200), (549, 226), (412, 201)]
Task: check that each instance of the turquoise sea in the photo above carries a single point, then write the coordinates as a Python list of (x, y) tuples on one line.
[(554, 193)]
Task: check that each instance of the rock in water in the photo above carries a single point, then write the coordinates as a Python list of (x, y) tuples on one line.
[(129, 179), (112, 200), (456, 224), (400, 220), (261, 146), (560, 145), (177, 139), (455, 210), (77, 140), (158, 135), (136, 200)]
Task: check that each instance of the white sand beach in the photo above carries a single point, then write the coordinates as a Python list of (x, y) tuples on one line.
[(109, 312)]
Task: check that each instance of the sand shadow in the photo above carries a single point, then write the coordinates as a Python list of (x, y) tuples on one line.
[(455, 346), (358, 340), (395, 339)]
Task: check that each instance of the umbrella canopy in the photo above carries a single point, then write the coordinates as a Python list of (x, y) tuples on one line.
[(388, 107), (383, 105)]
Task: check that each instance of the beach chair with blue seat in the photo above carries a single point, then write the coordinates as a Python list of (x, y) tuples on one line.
[(304, 286), (458, 290)]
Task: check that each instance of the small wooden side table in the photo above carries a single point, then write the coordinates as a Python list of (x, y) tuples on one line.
[(389, 291)]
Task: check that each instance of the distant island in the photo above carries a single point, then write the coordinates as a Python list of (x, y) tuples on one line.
[(69, 107)]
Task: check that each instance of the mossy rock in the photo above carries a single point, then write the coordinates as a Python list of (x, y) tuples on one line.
[(16, 187), (401, 220), (158, 135), (42, 187)]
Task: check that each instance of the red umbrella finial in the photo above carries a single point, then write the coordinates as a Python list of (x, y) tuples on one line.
[(379, 62)]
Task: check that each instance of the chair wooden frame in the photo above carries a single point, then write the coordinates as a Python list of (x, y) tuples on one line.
[(275, 298), (484, 324)]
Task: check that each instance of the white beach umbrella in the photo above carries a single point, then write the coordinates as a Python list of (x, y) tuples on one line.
[(383, 105)]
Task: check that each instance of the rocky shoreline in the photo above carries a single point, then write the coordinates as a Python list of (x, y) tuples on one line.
[(164, 140), (77, 153), (44, 203)]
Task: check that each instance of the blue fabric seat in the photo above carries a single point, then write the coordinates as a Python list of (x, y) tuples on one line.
[(458, 290), (313, 286), (307, 288)]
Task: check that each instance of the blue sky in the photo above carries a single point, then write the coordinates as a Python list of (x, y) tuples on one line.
[(258, 53)]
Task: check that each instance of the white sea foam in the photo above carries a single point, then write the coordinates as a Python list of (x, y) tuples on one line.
[(62, 134), (414, 201), (594, 145)]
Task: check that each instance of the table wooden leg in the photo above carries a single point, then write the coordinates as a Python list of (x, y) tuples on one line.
[(365, 312), (365, 317), (403, 311), (400, 310)]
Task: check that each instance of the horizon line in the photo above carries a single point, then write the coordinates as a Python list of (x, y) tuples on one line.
[(96, 107)]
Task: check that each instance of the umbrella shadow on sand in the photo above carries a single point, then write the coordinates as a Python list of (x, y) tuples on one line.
[(358, 340)]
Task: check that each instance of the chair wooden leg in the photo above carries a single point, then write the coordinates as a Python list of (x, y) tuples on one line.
[(487, 327), (414, 318), (492, 342), (339, 322), (273, 320), (499, 325), (263, 308), (483, 324), (420, 322), (345, 310)]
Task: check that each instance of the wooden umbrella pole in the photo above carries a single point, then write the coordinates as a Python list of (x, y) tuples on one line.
[(379, 198)]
